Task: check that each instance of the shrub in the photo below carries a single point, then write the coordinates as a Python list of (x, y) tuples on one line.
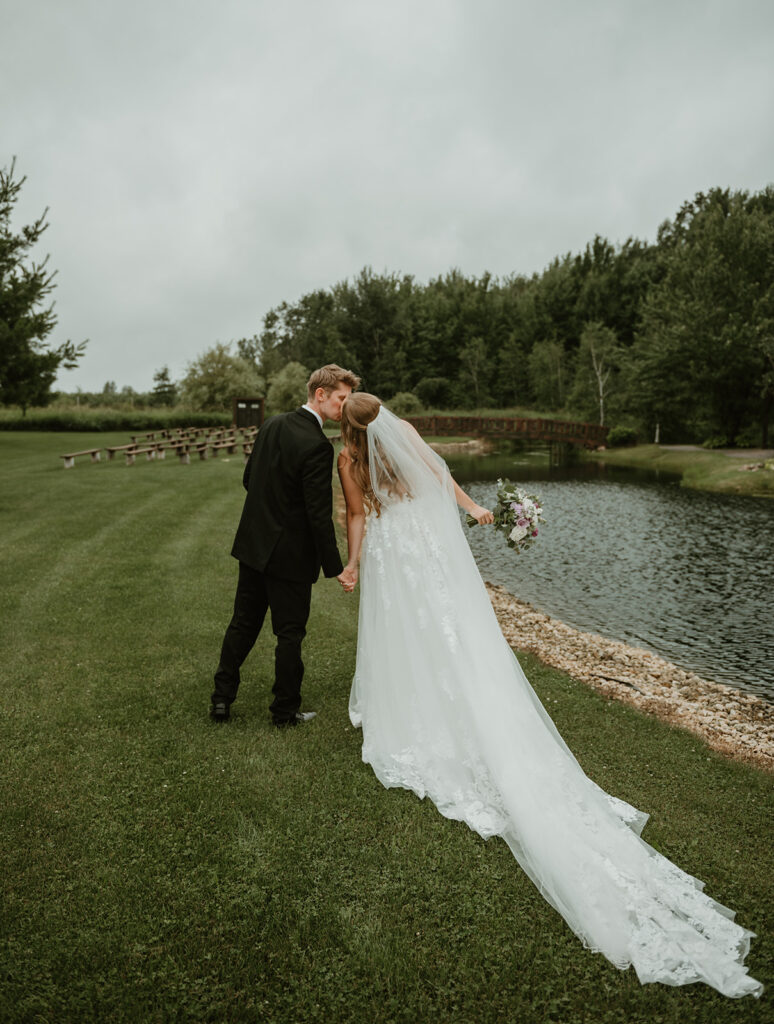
[(80, 418), (433, 391), (405, 403), (619, 436), (715, 442), (750, 437)]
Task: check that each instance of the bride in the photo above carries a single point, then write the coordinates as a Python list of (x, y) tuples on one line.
[(447, 712)]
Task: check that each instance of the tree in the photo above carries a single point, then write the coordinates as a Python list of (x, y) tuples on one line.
[(287, 389), (598, 358), (512, 383), (28, 366), (710, 317), (548, 374), (164, 388), (216, 377), (475, 370), (250, 349), (129, 396)]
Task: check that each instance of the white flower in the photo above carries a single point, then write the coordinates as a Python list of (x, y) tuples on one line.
[(517, 533)]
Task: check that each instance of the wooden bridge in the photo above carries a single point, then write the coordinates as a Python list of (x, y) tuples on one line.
[(563, 432)]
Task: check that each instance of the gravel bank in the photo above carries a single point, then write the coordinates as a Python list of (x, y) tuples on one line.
[(737, 724), (475, 446)]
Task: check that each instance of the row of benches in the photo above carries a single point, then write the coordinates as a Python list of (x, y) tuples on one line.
[(179, 433), (182, 444)]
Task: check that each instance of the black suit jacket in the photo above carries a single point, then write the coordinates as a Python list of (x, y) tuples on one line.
[(286, 529)]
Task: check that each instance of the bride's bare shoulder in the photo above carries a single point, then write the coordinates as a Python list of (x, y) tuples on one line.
[(344, 458)]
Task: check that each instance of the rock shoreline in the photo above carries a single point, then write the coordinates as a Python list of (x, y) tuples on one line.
[(475, 446), (732, 722)]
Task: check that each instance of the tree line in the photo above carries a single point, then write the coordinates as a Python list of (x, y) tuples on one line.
[(673, 338), (676, 336)]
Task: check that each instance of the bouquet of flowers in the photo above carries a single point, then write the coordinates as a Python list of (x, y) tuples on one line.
[(516, 514)]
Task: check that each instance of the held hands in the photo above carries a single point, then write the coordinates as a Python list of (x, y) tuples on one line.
[(348, 578)]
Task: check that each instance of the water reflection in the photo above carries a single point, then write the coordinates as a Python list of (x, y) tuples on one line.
[(635, 557)]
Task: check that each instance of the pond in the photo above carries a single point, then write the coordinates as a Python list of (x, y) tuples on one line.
[(633, 556)]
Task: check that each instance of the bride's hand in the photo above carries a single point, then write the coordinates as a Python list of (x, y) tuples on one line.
[(348, 578), (482, 515)]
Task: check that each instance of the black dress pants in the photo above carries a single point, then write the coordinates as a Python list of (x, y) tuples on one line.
[(289, 602)]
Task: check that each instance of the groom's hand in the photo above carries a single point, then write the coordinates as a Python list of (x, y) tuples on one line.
[(348, 579)]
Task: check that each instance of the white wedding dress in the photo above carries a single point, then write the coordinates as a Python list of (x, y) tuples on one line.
[(447, 712)]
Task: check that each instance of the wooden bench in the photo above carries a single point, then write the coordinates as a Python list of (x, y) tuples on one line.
[(179, 448), (144, 437), (69, 460), (228, 443), (200, 448), (149, 452), (119, 448), (162, 447)]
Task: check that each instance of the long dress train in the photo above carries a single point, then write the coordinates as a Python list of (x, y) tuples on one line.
[(446, 711)]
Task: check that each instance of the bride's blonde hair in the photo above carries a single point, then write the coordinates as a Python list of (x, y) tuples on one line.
[(358, 411)]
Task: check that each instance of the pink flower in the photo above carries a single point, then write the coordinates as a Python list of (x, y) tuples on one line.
[(534, 533), (523, 522)]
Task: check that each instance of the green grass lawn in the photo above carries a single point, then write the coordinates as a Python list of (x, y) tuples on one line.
[(157, 867), (702, 470)]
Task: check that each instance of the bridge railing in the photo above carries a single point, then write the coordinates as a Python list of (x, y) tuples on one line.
[(586, 434)]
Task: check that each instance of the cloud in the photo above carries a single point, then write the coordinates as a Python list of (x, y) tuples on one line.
[(204, 161)]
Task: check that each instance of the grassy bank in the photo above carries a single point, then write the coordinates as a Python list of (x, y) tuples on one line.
[(701, 470), (158, 868)]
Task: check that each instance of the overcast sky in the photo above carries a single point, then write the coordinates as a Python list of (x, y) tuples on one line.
[(204, 160)]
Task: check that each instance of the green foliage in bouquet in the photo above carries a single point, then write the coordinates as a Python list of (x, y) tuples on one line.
[(516, 514)]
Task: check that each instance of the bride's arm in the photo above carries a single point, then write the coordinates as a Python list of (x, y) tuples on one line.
[(480, 514), (353, 496)]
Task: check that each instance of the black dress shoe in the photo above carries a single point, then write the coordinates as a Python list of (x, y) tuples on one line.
[(220, 711), (298, 719)]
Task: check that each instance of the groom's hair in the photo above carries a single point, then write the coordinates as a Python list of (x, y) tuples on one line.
[(329, 377)]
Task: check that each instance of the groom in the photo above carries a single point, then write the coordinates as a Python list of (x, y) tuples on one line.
[(284, 537)]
